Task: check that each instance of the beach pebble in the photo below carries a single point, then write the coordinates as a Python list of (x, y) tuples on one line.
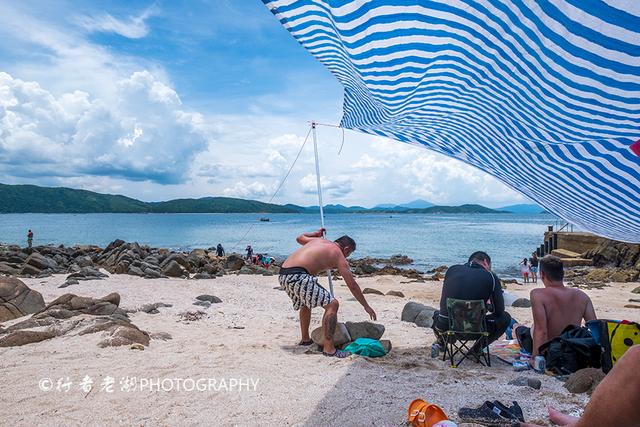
[(136, 347), (527, 382), (395, 294), (372, 291), (365, 330), (341, 335), (522, 302), (210, 298)]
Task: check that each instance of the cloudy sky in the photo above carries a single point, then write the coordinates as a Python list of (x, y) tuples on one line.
[(192, 98)]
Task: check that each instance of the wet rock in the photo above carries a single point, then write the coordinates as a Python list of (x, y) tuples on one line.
[(372, 291), (365, 330), (395, 294), (18, 338), (584, 380), (210, 298), (439, 269), (17, 299), (340, 337), (522, 302)]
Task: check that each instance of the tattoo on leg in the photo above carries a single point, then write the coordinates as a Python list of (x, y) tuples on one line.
[(332, 320)]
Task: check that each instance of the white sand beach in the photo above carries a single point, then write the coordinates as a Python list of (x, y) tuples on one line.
[(251, 335)]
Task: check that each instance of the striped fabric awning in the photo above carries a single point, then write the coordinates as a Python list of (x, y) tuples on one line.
[(542, 94)]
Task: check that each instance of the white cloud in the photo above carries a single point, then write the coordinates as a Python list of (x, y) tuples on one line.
[(143, 134), (335, 186), (254, 190), (133, 27)]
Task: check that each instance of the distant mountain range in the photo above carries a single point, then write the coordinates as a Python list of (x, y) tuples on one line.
[(35, 199), (522, 209)]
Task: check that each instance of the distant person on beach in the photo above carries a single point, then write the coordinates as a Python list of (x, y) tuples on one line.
[(219, 250), (249, 253), (524, 269), (298, 278), (473, 281), (554, 307), (30, 239), (614, 402), (533, 266)]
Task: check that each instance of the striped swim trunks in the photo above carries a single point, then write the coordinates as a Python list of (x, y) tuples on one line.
[(303, 288)]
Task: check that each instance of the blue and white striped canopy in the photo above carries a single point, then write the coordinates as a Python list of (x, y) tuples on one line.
[(542, 94)]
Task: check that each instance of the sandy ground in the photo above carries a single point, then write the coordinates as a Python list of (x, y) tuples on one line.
[(251, 336)]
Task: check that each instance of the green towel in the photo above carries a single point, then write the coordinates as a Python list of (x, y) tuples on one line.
[(366, 347)]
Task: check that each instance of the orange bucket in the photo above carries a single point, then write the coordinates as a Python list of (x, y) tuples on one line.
[(424, 414)]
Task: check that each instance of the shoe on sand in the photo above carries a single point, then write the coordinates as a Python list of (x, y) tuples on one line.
[(488, 414), (309, 342), (340, 354)]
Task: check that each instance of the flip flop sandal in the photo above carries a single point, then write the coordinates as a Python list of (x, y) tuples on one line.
[(340, 354), (305, 342)]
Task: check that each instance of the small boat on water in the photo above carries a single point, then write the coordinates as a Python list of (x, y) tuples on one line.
[(264, 219)]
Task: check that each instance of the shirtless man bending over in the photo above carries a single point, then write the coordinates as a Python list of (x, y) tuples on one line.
[(554, 307), (298, 278)]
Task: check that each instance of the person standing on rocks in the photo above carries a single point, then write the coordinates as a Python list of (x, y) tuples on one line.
[(30, 239), (249, 254), (219, 250), (298, 277)]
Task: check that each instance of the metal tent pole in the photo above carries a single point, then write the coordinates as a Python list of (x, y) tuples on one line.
[(315, 150)]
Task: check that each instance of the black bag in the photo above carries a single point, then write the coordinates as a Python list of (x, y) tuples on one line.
[(573, 350)]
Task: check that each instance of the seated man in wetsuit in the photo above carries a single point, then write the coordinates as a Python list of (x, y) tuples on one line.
[(473, 281)]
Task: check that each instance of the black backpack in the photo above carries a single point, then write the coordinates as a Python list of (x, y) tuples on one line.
[(573, 350)]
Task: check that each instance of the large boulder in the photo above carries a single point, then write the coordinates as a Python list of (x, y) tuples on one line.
[(17, 299), (173, 269), (18, 338), (420, 314), (233, 262), (41, 262), (340, 337), (365, 330)]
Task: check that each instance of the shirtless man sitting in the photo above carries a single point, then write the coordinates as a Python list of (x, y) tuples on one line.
[(298, 278), (554, 307)]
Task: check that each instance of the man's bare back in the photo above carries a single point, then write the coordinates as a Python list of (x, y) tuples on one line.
[(560, 306), (316, 255)]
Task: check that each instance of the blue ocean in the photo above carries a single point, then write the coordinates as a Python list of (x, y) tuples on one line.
[(431, 240)]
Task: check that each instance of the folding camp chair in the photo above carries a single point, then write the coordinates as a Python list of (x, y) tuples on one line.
[(467, 323)]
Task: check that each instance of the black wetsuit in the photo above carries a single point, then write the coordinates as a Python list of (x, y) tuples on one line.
[(473, 282)]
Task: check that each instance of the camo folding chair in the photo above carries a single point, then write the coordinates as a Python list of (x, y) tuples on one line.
[(467, 324)]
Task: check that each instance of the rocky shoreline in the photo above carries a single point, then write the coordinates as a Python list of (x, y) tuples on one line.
[(120, 257)]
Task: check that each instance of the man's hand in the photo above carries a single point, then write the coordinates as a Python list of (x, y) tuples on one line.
[(320, 233), (371, 313)]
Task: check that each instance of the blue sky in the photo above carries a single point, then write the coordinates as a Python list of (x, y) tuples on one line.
[(157, 100)]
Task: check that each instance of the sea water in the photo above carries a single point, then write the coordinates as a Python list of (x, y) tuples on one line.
[(431, 240)]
